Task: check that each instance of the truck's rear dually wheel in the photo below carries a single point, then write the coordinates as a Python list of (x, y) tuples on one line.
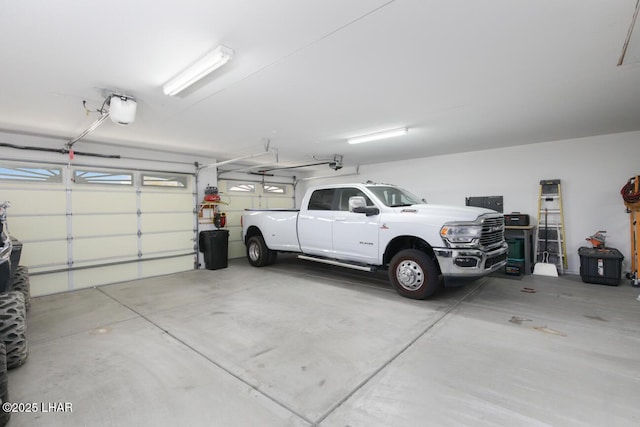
[(414, 274), (258, 253)]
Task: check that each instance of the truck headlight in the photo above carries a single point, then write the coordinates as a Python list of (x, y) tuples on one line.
[(458, 234)]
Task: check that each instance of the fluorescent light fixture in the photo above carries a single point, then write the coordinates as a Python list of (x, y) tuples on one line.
[(377, 135), (201, 68)]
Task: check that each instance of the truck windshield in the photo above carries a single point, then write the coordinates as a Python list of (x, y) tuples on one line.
[(394, 196)]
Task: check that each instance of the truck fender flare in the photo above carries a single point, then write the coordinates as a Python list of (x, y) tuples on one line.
[(252, 231), (409, 242)]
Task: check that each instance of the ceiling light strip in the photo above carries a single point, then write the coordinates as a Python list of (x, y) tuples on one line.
[(378, 135), (200, 69)]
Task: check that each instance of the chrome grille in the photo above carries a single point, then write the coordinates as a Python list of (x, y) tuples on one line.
[(492, 232)]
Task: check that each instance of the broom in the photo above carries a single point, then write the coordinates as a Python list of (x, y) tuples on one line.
[(544, 268)]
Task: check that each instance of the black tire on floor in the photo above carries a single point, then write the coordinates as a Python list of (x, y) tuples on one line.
[(13, 328), (273, 256), (258, 253), (4, 386), (413, 274), (22, 284)]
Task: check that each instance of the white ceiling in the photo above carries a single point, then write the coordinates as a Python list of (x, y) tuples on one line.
[(462, 75)]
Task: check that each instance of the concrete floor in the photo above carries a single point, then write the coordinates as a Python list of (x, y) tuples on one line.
[(299, 344)]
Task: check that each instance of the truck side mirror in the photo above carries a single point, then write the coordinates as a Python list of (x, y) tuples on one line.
[(358, 204)]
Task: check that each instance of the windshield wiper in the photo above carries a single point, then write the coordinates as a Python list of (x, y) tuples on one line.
[(401, 205)]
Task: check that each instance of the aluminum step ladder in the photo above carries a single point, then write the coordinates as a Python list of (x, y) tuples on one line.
[(551, 229)]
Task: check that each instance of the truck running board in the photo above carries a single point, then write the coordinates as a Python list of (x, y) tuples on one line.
[(338, 263)]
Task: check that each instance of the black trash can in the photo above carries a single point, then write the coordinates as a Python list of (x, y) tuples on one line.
[(214, 245)]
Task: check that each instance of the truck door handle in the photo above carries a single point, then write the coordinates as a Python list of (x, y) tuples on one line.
[(340, 219)]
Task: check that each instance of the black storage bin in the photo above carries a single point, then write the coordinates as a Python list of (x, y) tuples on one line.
[(516, 219), (600, 266), (214, 244)]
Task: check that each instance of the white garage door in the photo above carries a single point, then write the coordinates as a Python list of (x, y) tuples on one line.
[(243, 195), (82, 227)]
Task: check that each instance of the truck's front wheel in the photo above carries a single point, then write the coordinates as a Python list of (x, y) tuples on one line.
[(413, 274), (258, 253)]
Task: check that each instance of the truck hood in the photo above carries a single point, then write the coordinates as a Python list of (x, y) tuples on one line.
[(447, 213)]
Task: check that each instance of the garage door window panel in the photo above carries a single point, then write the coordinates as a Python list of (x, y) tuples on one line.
[(165, 180), (241, 188), (31, 174), (102, 177), (274, 189)]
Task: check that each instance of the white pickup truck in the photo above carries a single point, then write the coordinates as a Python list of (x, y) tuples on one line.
[(380, 226)]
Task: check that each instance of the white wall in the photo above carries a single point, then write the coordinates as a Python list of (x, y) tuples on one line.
[(592, 172)]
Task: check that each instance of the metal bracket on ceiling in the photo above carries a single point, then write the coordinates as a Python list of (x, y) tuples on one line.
[(87, 131), (627, 40), (335, 158), (267, 143), (105, 112), (273, 151), (311, 178)]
